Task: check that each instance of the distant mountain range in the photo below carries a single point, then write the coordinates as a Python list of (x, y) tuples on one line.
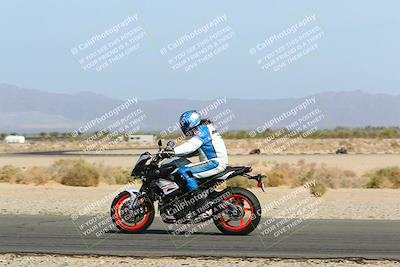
[(27, 110)]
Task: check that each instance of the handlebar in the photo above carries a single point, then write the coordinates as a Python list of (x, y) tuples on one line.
[(162, 154)]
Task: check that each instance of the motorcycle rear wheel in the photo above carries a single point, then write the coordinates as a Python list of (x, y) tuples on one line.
[(249, 217)]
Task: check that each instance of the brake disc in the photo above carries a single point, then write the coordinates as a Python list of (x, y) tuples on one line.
[(132, 215)]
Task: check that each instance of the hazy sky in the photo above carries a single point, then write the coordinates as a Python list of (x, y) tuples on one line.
[(357, 47)]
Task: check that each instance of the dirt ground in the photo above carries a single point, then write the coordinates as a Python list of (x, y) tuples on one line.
[(337, 203), (55, 199), (58, 260), (260, 163)]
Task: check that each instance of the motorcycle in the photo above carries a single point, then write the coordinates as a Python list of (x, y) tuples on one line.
[(234, 210)]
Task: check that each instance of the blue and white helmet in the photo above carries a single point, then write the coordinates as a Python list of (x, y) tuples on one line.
[(189, 120)]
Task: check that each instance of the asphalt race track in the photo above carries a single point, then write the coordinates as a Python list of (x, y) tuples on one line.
[(370, 239)]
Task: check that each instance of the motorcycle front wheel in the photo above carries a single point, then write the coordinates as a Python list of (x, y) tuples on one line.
[(129, 220)]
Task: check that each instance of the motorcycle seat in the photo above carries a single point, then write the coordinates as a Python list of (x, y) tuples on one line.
[(237, 171)]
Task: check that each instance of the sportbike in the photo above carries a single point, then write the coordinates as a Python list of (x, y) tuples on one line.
[(234, 210)]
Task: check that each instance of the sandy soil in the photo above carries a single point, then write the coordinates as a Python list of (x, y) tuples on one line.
[(40, 146), (55, 260), (55, 199), (357, 163), (356, 145)]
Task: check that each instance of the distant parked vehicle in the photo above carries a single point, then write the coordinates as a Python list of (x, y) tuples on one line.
[(19, 139), (119, 139), (341, 150), (255, 151), (138, 138)]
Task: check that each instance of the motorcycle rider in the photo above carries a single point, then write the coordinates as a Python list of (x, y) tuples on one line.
[(205, 141)]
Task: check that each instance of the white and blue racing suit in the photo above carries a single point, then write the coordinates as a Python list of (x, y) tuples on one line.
[(213, 155)]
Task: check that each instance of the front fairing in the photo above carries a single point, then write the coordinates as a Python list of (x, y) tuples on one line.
[(140, 164)]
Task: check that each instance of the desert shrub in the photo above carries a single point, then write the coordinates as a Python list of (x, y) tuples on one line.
[(375, 182), (36, 175), (384, 178), (81, 174), (287, 172), (301, 173), (60, 168), (395, 144), (113, 175), (106, 174), (75, 173), (10, 174), (67, 172), (122, 176), (275, 178), (331, 177), (334, 177), (318, 188), (241, 182)]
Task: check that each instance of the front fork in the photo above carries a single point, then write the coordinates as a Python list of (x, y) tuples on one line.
[(137, 197)]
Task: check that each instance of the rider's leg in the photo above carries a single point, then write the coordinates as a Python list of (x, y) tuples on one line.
[(207, 169), (199, 170), (184, 179)]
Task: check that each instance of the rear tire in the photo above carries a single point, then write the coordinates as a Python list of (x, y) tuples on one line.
[(249, 206), (129, 223)]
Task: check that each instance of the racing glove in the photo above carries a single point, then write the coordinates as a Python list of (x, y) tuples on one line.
[(168, 152)]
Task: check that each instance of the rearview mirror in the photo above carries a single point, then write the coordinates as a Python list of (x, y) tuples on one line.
[(159, 143), (171, 144)]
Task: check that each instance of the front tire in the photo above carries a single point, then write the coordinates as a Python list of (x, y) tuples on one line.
[(123, 217), (248, 218)]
